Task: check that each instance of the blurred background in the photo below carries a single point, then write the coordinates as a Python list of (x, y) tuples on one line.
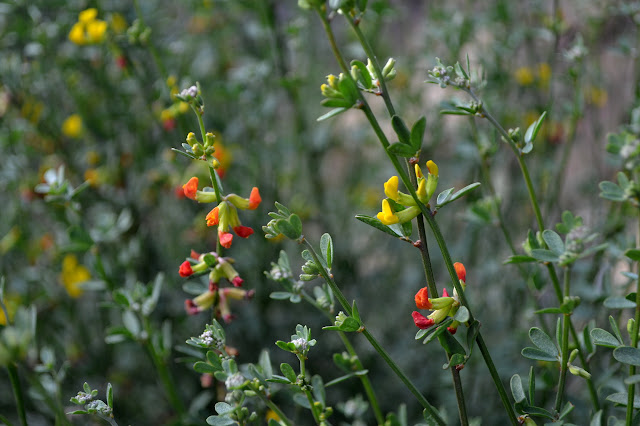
[(102, 109)]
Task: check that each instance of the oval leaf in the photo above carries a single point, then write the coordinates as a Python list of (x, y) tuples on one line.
[(516, 388), (401, 130), (618, 303), (326, 246), (537, 354), (554, 241), (627, 355), (543, 341), (417, 133), (622, 398)]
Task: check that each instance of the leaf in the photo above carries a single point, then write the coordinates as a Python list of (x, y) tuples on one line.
[(223, 408), (554, 241), (618, 303), (627, 355), (614, 327), (443, 197), (130, 321), (537, 354), (330, 114), (375, 223), (549, 311), (326, 246), (534, 128), (568, 407), (401, 130), (602, 337), (460, 193), (220, 421), (204, 368), (336, 103), (622, 398), (363, 74), (543, 341), (545, 255), (516, 388), (109, 395), (462, 315), (295, 221), (417, 133), (401, 150), (611, 191), (288, 372), (633, 254), (287, 229), (631, 380), (519, 258), (532, 386)]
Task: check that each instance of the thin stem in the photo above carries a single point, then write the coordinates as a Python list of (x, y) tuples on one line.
[(283, 418), (345, 305), (634, 342), (5, 420), (17, 392), (565, 344), (305, 389)]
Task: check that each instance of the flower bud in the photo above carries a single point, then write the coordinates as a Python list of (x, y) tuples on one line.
[(421, 321)]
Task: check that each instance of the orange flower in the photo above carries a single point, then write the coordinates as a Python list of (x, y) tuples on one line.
[(190, 188), (242, 231), (225, 239), (254, 199), (185, 269), (461, 271), (212, 217), (421, 321), (422, 299)]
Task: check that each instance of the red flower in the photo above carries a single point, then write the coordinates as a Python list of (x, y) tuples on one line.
[(185, 269), (212, 217), (452, 330), (254, 199), (462, 273), (225, 239), (421, 321), (237, 281), (422, 299), (445, 293), (191, 307), (190, 188), (242, 231), (179, 192)]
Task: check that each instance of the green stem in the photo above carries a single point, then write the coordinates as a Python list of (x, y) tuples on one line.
[(347, 308), (376, 65), (565, 344), (305, 389), (17, 392), (634, 343), (5, 420), (283, 418), (163, 372)]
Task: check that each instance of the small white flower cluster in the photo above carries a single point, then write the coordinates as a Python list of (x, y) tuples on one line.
[(207, 337), (234, 381), (191, 92), (83, 397), (301, 344)]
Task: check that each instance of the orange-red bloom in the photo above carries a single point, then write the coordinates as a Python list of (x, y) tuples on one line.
[(185, 269), (422, 299), (225, 239), (190, 188), (212, 217), (254, 199), (461, 271), (421, 321), (242, 231)]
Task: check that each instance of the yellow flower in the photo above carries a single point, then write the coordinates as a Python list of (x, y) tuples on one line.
[(544, 74), (96, 31), (73, 275), (72, 126), (387, 216), (88, 29), (11, 302), (391, 188), (88, 15), (272, 415), (76, 35), (92, 176), (524, 76), (597, 96), (118, 23)]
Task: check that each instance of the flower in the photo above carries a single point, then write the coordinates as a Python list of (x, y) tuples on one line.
[(190, 188), (73, 275), (387, 216), (524, 76), (72, 126), (88, 29), (460, 271), (185, 269), (422, 299), (225, 216), (421, 321), (11, 302)]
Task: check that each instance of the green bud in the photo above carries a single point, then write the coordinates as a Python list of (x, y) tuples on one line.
[(209, 139), (308, 277), (389, 71), (577, 371), (573, 355)]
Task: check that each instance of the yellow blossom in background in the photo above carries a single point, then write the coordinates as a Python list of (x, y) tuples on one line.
[(73, 275), (11, 302), (88, 29), (271, 415), (93, 158), (544, 74), (92, 176), (222, 154), (72, 126), (31, 110), (524, 76), (118, 23), (597, 96)]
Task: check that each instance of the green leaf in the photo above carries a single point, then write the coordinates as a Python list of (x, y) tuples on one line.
[(451, 344), (549, 311), (596, 420), (401, 130), (545, 255), (543, 341), (363, 74), (375, 223), (618, 303), (627, 355), (280, 295), (519, 258), (401, 150), (109, 395), (621, 398), (602, 337), (130, 321), (354, 311), (443, 197), (614, 327), (633, 254), (568, 407), (223, 408), (336, 103), (532, 386), (441, 328), (631, 380), (220, 421), (287, 229), (204, 368), (534, 128), (288, 372), (458, 194), (462, 315), (554, 241), (330, 114), (516, 388), (611, 191), (326, 246), (347, 87), (295, 221), (417, 133), (537, 354)]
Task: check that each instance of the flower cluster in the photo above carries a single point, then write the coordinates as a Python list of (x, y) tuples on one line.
[(219, 267), (88, 29), (225, 214), (399, 207), (442, 307)]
